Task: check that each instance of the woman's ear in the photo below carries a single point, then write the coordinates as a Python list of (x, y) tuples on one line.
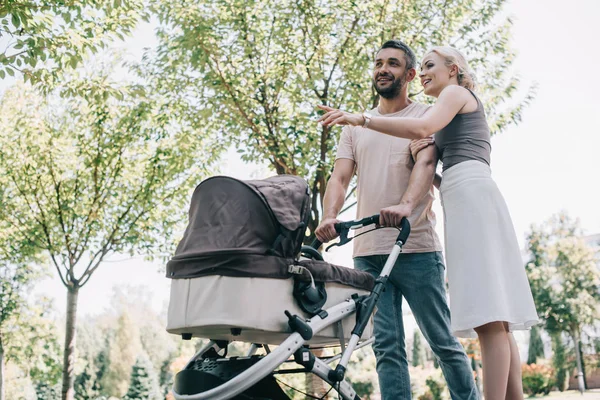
[(453, 70)]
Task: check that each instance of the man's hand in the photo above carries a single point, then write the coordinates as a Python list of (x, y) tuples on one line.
[(391, 216), (325, 232), (417, 145)]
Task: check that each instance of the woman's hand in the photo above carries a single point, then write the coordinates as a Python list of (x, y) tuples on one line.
[(419, 144), (338, 117)]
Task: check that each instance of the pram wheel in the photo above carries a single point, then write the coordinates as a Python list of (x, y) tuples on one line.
[(209, 373)]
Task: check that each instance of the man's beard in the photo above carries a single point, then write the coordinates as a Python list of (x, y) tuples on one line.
[(391, 91)]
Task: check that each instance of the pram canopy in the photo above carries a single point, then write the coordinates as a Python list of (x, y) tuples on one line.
[(252, 228)]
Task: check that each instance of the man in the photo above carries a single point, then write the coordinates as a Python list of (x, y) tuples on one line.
[(389, 184)]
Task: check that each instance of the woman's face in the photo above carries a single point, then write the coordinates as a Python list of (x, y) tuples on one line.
[(435, 75)]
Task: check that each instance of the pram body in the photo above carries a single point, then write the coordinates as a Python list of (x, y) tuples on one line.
[(239, 274)]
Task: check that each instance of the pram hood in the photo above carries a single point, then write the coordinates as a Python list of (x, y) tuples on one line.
[(252, 228), (243, 228)]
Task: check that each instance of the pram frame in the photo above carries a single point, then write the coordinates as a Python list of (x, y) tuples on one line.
[(363, 306)]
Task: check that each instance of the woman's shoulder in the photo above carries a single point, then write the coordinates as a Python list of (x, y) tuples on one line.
[(457, 92), (470, 100)]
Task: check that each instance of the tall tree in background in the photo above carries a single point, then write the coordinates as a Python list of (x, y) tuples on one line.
[(92, 349), (536, 346), (40, 349), (261, 67), (560, 362), (565, 280), (124, 347), (33, 351), (417, 350), (144, 382), (45, 38), (17, 276), (105, 170)]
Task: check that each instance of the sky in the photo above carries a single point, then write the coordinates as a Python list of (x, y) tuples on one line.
[(542, 166)]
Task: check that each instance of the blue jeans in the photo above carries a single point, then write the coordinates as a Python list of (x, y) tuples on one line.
[(419, 277)]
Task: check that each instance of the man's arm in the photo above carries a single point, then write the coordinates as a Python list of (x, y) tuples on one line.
[(419, 184), (335, 195), (416, 146)]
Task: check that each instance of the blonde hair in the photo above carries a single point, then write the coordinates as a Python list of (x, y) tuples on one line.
[(452, 57)]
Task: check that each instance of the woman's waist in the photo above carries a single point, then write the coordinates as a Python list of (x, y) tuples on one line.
[(465, 171)]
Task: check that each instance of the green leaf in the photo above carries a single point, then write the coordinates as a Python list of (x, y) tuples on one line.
[(15, 21)]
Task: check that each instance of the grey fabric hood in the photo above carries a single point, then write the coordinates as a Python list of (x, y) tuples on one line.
[(243, 228)]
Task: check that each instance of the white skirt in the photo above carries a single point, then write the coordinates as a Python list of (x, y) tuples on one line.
[(486, 274)]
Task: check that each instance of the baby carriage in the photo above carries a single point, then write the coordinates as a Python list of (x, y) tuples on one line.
[(241, 273)]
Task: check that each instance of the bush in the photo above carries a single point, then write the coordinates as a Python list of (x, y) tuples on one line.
[(435, 388), (426, 396), (537, 379), (364, 389)]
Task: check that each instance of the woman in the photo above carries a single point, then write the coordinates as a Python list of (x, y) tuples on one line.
[(489, 292)]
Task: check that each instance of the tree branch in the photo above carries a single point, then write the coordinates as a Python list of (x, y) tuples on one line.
[(59, 209)]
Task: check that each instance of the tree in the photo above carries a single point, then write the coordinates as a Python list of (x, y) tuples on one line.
[(156, 342), (144, 382), (93, 344), (85, 384), (536, 346), (109, 344), (166, 376), (124, 349), (46, 38), (17, 276), (258, 69), (560, 362), (105, 169), (31, 344), (417, 350), (565, 280)]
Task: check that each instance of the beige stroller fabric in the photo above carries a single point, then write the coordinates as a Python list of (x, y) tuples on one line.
[(211, 306)]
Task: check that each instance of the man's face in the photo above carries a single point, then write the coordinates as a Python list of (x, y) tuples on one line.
[(389, 72)]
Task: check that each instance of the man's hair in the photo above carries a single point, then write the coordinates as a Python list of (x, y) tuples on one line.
[(409, 55)]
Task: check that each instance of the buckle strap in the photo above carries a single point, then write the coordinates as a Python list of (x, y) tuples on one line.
[(295, 269)]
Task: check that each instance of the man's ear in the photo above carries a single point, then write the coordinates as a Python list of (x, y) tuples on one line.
[(410, 75)]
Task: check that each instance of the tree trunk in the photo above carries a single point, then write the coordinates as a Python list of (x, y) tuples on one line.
[(1, 370), (585, 384), (580, 382), (68, 393)]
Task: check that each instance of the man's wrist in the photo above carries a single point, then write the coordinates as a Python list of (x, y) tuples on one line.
[(408, 203)]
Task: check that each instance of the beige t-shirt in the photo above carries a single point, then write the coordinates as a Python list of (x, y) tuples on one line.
[(383, 167)]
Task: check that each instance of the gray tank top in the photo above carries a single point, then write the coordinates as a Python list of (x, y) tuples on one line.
[(466, 137)]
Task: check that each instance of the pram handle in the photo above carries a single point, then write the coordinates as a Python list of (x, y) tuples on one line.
[(356, 224), (405, 230)]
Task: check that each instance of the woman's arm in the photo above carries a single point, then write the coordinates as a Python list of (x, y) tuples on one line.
[(451, 100)]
